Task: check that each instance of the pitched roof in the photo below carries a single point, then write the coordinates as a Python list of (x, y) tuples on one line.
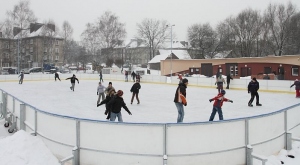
[(164, 54)]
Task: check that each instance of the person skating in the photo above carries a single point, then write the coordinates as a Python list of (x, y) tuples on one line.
[(138, 77), (180, 99), (135, 91), (217, 107), (133, 76), (72, 79), (228, 78), (126, 76), (108, 97), (180, 78), (21, 77), (56, 76), (219, 82), (116, 104), (297, 87), (100, 92), (253, 87), (110, 87), (101, 76)]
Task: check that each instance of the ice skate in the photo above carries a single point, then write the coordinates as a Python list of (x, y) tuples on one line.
[(258, 104), (250, 105)]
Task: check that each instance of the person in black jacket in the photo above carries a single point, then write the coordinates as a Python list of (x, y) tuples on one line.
[(56, 76), (133, 76), (135, 91), (116, 104), (108, 97), (297, 87), (228, 78), (179, 101), (253, 87), (72, 79)]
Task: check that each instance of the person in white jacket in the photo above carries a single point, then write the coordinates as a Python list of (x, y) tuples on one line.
[(100, 92)]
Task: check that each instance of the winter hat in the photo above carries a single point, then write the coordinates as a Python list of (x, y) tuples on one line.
[(223, 92), (120, 93), (185, 80), (109, 83), (74, 75), (254, 78)]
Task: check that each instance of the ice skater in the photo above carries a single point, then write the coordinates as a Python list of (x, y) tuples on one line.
[(228, 78), (100, 92), (101, 76), (72, 79), (180, 95), (126, 76), (135, 91), (56, 76), (138, 77), (110, 87), (116, 104), (21, 77), (133, 76), (219, 82), (297, 87), (253, 87), (217, 107), (108, 97)]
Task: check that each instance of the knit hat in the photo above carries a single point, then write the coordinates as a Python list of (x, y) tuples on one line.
[(120, 93), (254, 78), (223, 92), (109, 83), (185, 80)]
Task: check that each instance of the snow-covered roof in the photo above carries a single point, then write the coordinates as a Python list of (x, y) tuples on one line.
[(164, 54)]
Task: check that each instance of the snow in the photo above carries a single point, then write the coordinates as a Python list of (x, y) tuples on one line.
[(156, 106)]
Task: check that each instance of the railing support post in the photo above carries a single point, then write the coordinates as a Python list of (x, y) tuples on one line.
[(249, 155), (22, 116), (288, 140)]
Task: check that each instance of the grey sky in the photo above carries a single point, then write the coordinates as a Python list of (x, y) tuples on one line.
[(182, 13)]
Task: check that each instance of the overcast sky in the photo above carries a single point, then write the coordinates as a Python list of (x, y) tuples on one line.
[(182, 13)]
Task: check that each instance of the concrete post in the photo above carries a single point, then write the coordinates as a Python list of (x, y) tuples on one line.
[(75, 152), (249, 155), (22, 117), (288, 140)]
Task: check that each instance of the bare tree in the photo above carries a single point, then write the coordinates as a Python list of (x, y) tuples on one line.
[(66, 33), (154, 32), (89, 39), (279, 18), (21, 16), (203, 38), (110, 30)]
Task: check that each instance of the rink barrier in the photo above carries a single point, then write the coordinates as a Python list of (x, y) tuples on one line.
[(247, 132)]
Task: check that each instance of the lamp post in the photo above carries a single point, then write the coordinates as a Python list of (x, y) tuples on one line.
[(171, 26)]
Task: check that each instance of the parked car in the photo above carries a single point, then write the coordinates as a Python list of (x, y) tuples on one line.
[(25, 70), (35, 70)]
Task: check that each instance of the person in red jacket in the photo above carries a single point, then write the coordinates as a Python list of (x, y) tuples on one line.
[(297, 87), (218, 102)]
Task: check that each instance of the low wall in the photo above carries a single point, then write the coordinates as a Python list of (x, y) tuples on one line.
[(102, 142)]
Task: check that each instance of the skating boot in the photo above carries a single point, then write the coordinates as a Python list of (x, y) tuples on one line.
[(258, 104)]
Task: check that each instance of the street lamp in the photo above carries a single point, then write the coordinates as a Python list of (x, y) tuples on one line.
[(171, 26)]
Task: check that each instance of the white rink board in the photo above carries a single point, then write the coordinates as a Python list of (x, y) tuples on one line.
[(101, 158), (293, 116), (56, 128), (265, 128), (268, 148), (136, 138), (30, 116), (183, 139), (234, 157)]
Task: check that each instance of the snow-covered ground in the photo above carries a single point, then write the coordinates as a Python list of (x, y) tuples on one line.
[(156, 106)]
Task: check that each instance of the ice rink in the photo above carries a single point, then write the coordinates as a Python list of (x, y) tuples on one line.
[(156, 106)]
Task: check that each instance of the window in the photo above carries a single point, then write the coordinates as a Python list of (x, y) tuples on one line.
[(15, 51), (295, 71), (50, 50), (236, 70), (56, 42), (57, 58), (56, 50), (23, 50), (5, 64), (31, 49), (31, 41), (45, 50)]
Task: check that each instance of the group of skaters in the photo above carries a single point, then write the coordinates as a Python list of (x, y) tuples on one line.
[(135, 76), (114, 101)]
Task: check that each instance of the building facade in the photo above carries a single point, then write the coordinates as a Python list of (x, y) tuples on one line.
[(34, 51)]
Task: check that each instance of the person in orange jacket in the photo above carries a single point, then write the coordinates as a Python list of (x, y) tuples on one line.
[(217, 107)]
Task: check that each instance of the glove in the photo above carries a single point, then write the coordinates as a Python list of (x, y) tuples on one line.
[(185, 104), (231, 101), (210, 100), (248, 91), (215, 83), (129, 113), (97, 93)]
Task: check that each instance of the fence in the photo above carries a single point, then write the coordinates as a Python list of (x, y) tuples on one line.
[(85, 141)]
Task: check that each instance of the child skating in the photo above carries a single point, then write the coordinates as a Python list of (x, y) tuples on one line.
[(217, 107)]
